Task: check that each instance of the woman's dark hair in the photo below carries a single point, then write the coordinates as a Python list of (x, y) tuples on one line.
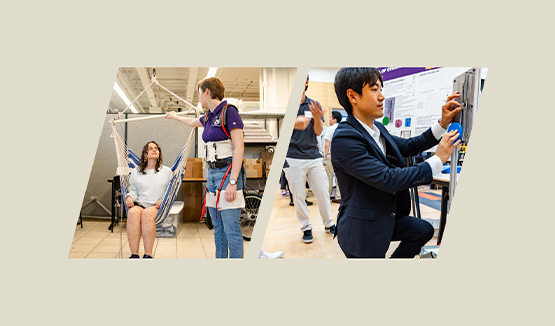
[(144, 161), (337, 116), (355, 79)]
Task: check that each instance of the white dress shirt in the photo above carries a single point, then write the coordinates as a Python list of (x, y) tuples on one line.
[(437, 130)]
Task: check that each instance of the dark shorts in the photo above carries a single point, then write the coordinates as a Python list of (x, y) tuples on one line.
[(138, 204)]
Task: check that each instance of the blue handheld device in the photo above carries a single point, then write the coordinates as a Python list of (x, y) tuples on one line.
[(456, 126)]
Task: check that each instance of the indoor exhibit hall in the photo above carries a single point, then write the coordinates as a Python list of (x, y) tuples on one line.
[(356, 180), (206, 103)]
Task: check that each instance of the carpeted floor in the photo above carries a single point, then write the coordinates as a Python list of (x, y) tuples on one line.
[(430, 199)]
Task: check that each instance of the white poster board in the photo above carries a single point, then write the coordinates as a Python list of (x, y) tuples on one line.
[(414, 97)]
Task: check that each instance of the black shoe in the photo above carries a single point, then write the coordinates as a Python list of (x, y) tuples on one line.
[(307, 236), (147, 256), (133, 256), (331, 230), (308, 203)]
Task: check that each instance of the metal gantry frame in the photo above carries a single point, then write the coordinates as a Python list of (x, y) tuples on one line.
[(468, 85), (153, 81)]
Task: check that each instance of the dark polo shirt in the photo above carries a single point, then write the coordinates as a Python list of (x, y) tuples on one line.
[(213, 130), (304, 144)]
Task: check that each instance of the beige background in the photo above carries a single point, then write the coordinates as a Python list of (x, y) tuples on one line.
[(59, 52)]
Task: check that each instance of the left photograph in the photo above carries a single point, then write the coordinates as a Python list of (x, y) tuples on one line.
[(181, 164)]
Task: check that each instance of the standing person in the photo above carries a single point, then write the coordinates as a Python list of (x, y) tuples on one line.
[(284, 172), (371, 171), (224, 157), (335, 119), (147, 185), (305, 163), (283, 183)]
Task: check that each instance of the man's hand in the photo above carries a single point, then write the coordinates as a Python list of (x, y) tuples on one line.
[(447, 145), (317, 114), (230, 192), (448, 111), (129, 202), (302, 122), (159, 203), (171, 115), (316, 110)]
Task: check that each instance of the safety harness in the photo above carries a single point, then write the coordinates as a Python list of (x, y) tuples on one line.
[(223, 119)]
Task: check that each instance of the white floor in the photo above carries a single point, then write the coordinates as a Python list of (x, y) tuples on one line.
[(94, 240)]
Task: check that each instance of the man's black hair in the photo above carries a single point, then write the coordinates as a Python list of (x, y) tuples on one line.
[(337, 116), (355, 79)]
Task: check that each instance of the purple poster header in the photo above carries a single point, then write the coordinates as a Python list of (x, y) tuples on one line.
[(390, 73)]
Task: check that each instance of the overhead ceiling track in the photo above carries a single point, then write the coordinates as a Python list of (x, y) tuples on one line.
[(245, 89), (145, 80)]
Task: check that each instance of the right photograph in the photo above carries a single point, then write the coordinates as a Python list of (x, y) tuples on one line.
[(373, 162)]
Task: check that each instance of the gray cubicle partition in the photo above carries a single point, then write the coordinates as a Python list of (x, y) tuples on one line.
[(170, 136)]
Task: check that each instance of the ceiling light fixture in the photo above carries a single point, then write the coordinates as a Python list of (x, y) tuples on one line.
[(123, 97), (211, 72)]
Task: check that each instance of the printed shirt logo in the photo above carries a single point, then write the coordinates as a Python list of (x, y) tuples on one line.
[(217, 121)]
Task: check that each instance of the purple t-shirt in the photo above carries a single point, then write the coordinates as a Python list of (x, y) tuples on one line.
[(213, 130)]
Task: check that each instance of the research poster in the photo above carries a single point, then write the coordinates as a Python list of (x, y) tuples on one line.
[(414, 97)]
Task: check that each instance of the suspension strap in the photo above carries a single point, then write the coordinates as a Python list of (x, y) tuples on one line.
[(223, 120), (204, 204), (206, 117), (219, 190)]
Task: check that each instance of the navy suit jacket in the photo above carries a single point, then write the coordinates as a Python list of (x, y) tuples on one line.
[(374, 188)]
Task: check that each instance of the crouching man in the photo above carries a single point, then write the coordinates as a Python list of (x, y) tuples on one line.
[(371, 172)]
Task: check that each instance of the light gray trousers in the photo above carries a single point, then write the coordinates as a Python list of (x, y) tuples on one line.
[(298, 173)]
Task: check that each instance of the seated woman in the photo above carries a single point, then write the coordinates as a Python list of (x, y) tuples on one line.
[(148, 183)]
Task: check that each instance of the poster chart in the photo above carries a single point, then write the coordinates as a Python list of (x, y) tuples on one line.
[(414, 96)]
